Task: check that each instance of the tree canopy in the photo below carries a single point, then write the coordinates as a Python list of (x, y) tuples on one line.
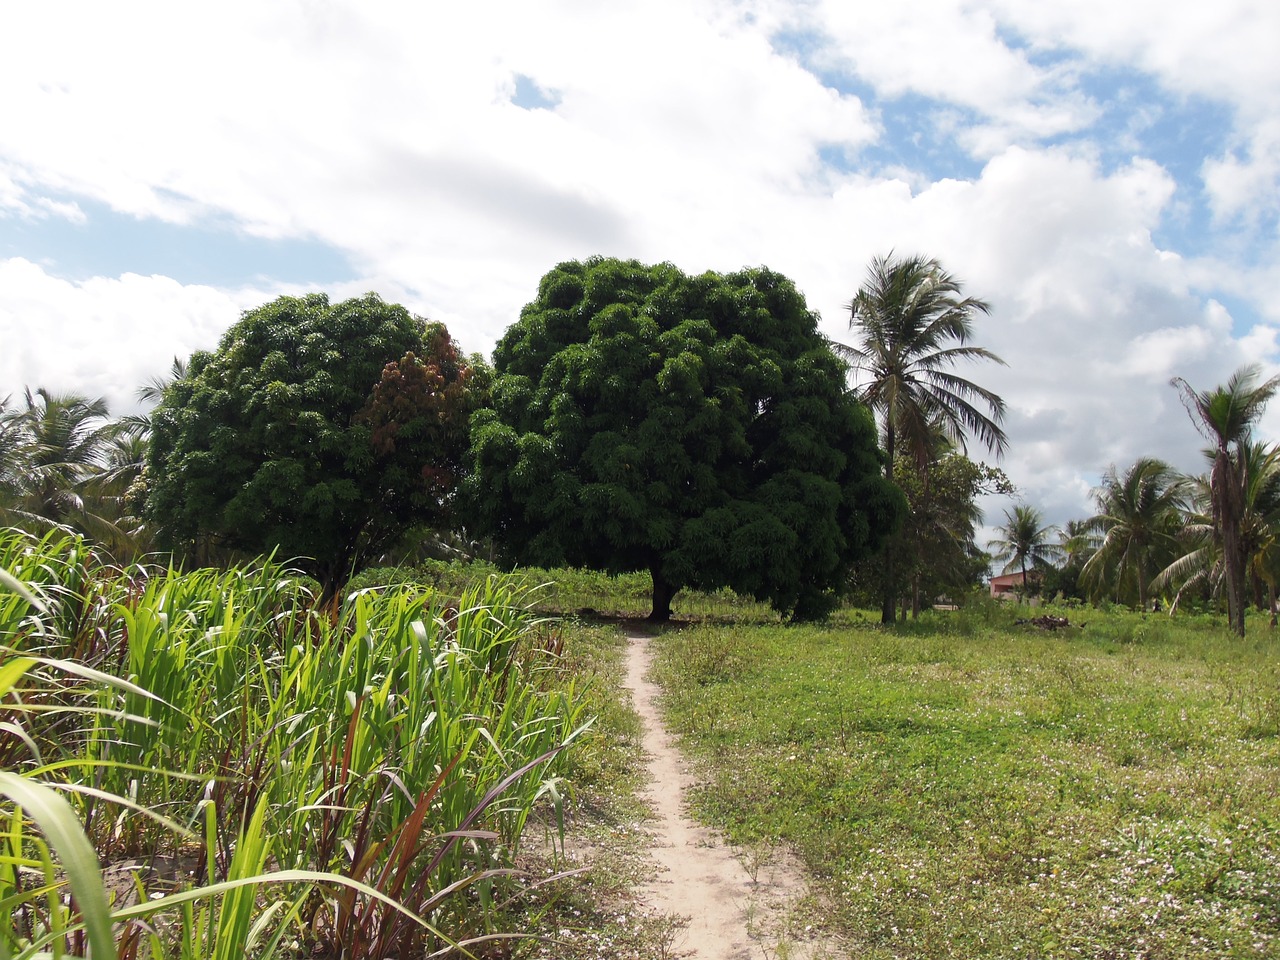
[(913, 327), (55, 450), (697, 427), (321, 431)]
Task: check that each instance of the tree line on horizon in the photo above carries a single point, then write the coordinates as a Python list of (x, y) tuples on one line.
[(1162, 536), (633, 418)]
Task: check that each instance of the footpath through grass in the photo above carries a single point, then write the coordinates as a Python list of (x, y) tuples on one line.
[(966, 787)]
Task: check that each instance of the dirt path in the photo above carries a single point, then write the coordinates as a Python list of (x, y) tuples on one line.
[(731, 916)]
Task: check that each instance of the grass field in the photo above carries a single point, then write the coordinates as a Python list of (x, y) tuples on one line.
[(967, 787)]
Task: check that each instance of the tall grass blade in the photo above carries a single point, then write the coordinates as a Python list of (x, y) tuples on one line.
[(60, 826)]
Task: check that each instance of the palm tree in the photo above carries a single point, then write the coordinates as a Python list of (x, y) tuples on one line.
[(1077, 542), (59, 444), (1202, 561), (1225, 416), (1260, 524), (12, 446), (1025, 539), (152, 392), (913, 326), (1139, 518)]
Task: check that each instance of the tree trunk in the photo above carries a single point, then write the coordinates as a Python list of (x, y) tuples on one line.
[(1228, 509), (888, 599), (663, 593), (1271, 598), (1235, 577)]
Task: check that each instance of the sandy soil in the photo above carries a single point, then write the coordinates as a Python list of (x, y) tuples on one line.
[(731, 916)]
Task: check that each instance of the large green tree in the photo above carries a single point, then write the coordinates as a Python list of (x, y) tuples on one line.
[(323, 431), (1225, 416), (695, 427), (913, 326)]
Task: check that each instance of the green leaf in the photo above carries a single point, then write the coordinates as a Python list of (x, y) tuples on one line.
[(62, 829)]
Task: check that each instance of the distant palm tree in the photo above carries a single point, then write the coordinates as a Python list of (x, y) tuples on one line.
[(1139, 519), (1225, 417), (152, 392), (1260, 523), (913, 326), (12, 445), (1025, 539), (58, 444), (1077, 542), (118, 493), (1202, 560)]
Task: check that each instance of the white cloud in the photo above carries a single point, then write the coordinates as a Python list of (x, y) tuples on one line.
[(679, 133), (103, 337), (1091, 315), (1245, 183), (1223, 51)]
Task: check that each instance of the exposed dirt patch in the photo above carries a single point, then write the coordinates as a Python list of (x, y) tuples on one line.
[(738, 904)]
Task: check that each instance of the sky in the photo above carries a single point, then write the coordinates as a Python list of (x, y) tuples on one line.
[(1105, 174)]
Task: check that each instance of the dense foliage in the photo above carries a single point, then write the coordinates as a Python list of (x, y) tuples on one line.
[(937, 550), (65, 462), (298, 763), (695, 427), (320, 431)]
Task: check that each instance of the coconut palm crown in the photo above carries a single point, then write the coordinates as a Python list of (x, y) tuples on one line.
[(1025, 541), (1139, 520), (914, 326)]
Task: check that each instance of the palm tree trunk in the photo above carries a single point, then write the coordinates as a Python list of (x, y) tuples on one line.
[(1227, 509), (889, 598), (1235, 579)]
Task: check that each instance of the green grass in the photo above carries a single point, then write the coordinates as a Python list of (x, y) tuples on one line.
[(356, 776), (965, 787), (574, 591)]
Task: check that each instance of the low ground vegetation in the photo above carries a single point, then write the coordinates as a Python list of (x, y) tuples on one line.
[(957, 785), (964, 786), (258, 775)]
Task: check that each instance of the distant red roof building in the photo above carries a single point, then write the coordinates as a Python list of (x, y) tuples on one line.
[(1007, 584)]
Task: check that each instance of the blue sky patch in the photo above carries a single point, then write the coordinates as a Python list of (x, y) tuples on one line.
[(530, 96), (108, 243)]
